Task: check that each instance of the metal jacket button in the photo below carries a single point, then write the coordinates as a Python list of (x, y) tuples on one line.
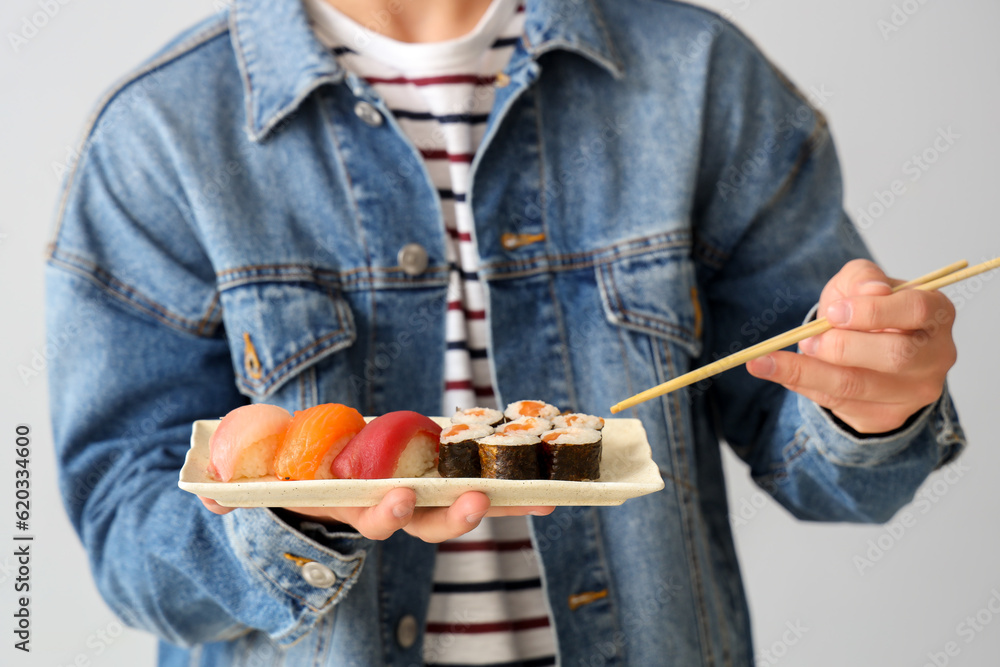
[(412, 258), (368, 114), (318, 575), (406, 631)]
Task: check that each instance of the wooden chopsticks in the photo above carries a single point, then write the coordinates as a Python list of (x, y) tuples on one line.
[(943, 277)]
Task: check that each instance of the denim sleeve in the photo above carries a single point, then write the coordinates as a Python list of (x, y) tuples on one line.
[(771, 231), (142, 357)]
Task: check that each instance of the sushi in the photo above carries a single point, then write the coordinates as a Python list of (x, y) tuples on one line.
[(509, 456), (572, 454), (578, 419), (332, 441), (530, 409), (245, 442), (525, 426), (487, 416), (314, 439), (397, 444), (458, 455)]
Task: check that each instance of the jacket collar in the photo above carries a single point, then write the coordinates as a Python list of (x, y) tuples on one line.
[(281, 62), (571, 25)]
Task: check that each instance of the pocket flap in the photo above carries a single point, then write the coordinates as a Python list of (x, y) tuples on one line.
[(653, 293), (277, 329)]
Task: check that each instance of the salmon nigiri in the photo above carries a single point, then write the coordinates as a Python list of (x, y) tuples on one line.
[(314, 438), (397, 444), (244, 443)]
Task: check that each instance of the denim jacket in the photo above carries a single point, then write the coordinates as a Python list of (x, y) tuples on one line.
[(230, 233)]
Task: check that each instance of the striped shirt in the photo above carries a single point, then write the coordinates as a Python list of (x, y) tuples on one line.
[(487, 606)]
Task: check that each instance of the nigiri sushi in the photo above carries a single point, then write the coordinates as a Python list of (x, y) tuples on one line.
[(244, 443), (314, 439), (397, 444)]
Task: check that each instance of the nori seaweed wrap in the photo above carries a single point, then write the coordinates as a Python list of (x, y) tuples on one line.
[(509, 457), (458, 455), (572, 454)]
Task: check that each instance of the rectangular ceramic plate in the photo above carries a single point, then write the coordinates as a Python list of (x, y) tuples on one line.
[(627, 471)]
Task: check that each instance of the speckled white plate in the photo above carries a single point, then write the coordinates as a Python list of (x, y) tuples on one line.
[(627, 471)]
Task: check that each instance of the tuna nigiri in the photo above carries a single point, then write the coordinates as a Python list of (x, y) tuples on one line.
[(397, 444), (314, 438), (244, 443)]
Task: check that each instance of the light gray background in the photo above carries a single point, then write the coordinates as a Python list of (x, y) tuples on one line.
[(887, 100)]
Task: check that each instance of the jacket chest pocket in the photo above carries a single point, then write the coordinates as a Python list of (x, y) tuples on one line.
[(651, 302), (277, 330), (654, 294)]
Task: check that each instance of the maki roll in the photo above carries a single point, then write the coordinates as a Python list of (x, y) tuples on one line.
[(487, 416), (572, 454), (509, 457), (530, 409), (525, 426), (578, 419), (458, 455)]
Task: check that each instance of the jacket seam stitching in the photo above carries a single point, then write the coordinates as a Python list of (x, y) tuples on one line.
[(710, 254), (233, 23), (671, 410), (129, 295), (305, 268), (615, 252), (806, 151), (609, 582), (628, 373), (673, 239), (710, 581), (540, 266), (206, 327), (330, 128)]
